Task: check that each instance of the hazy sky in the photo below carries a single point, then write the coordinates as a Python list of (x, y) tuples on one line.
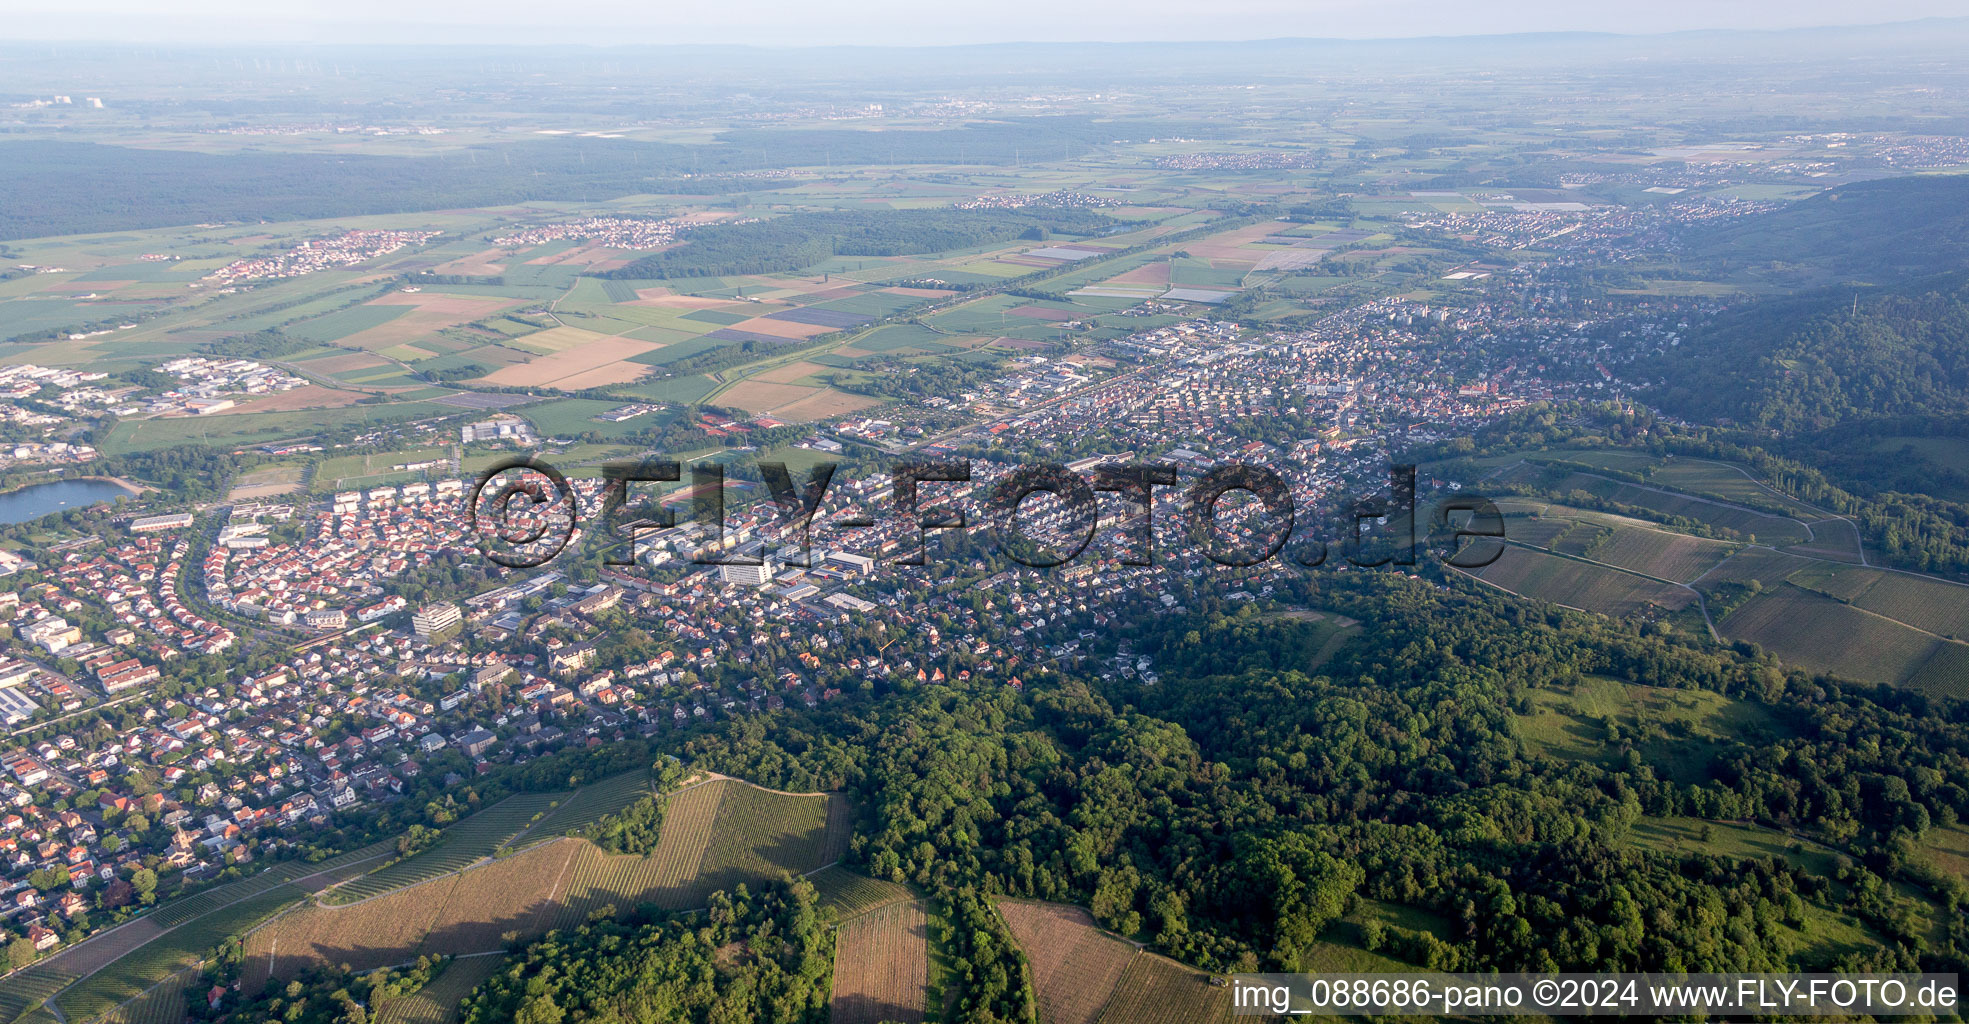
[(900, 22)]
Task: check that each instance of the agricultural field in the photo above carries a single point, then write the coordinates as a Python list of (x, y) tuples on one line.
[(437, 1002), (1576, 584), (1658, 553), (372, 934), (473, 839), (182, 947), (591, 363), (1768, 567), (586, 806), (1727, 520), (848, 893), (1157, 990), (1075, 965), (165, 1003), (759, 832), (479, 910), (1819, 634), (1631, 544), (663, 877), (792, 403), (1945, 673), (715, 834), (1931, 605), (882, 966), (1871, 625), (512, 896)]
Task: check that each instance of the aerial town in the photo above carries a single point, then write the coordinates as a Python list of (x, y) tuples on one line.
[(979, 533)]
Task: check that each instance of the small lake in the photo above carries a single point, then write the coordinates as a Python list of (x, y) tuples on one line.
[(37, 500)]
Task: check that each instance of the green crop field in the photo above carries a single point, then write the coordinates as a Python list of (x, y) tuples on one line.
[(344, 322), (1679, 732), (226, 430)]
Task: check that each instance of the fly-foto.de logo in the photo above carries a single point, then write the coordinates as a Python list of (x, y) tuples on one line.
[(524, 512)]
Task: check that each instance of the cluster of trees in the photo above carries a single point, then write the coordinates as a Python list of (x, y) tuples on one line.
[(1828, 359), (804, 239), (268, 344), (1868, 230), (320, 996), (637, 827), (763, 956)]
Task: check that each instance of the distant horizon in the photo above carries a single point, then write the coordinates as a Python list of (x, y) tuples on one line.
[(892, 24)]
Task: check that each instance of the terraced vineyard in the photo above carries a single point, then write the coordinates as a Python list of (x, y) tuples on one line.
[(715, 834), (850, 894), (164, 1004), (1075, 965), (25, 989), (332, 869), (585, 807), (1157, 990), (882, 966), (437, 1002), (470, 840), (759, 833), (182, 947), (662, 877)]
